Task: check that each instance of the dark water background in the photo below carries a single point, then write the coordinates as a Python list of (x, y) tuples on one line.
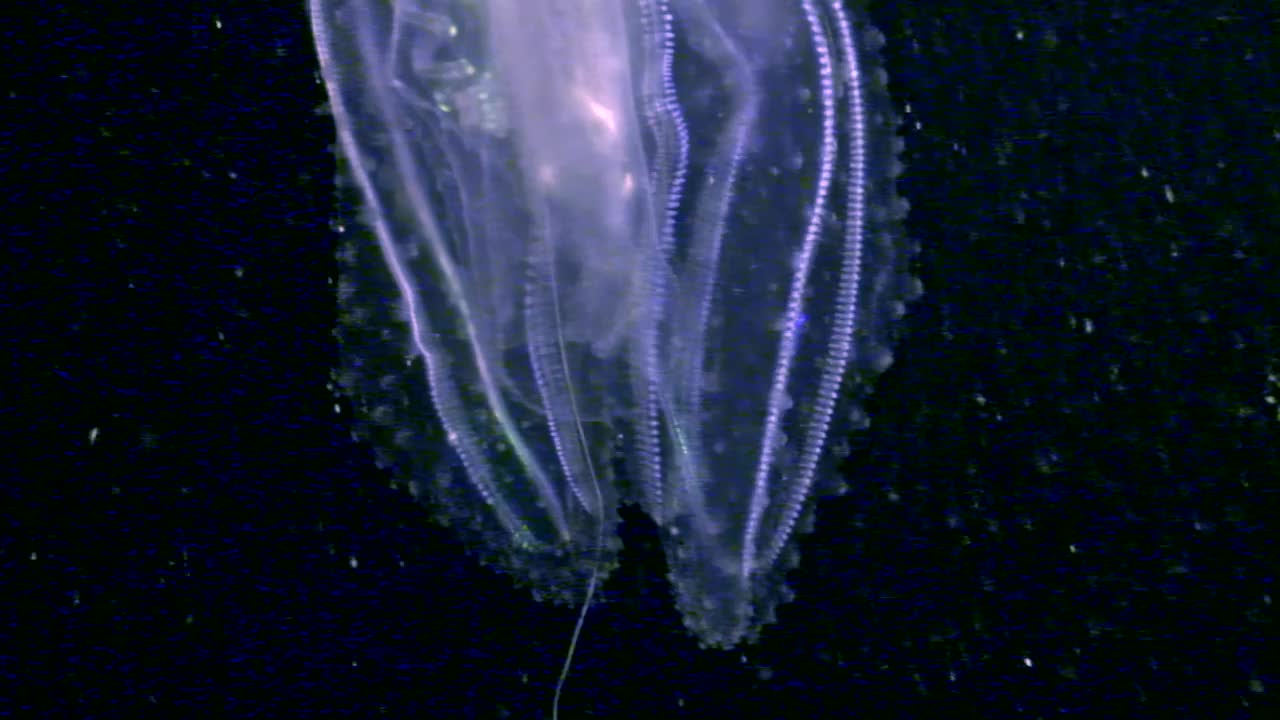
[(1065, 504)]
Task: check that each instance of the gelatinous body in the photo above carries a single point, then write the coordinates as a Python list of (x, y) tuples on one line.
[(638, 250)]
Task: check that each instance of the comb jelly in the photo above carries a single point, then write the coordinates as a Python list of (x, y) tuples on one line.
[(617, 251)]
